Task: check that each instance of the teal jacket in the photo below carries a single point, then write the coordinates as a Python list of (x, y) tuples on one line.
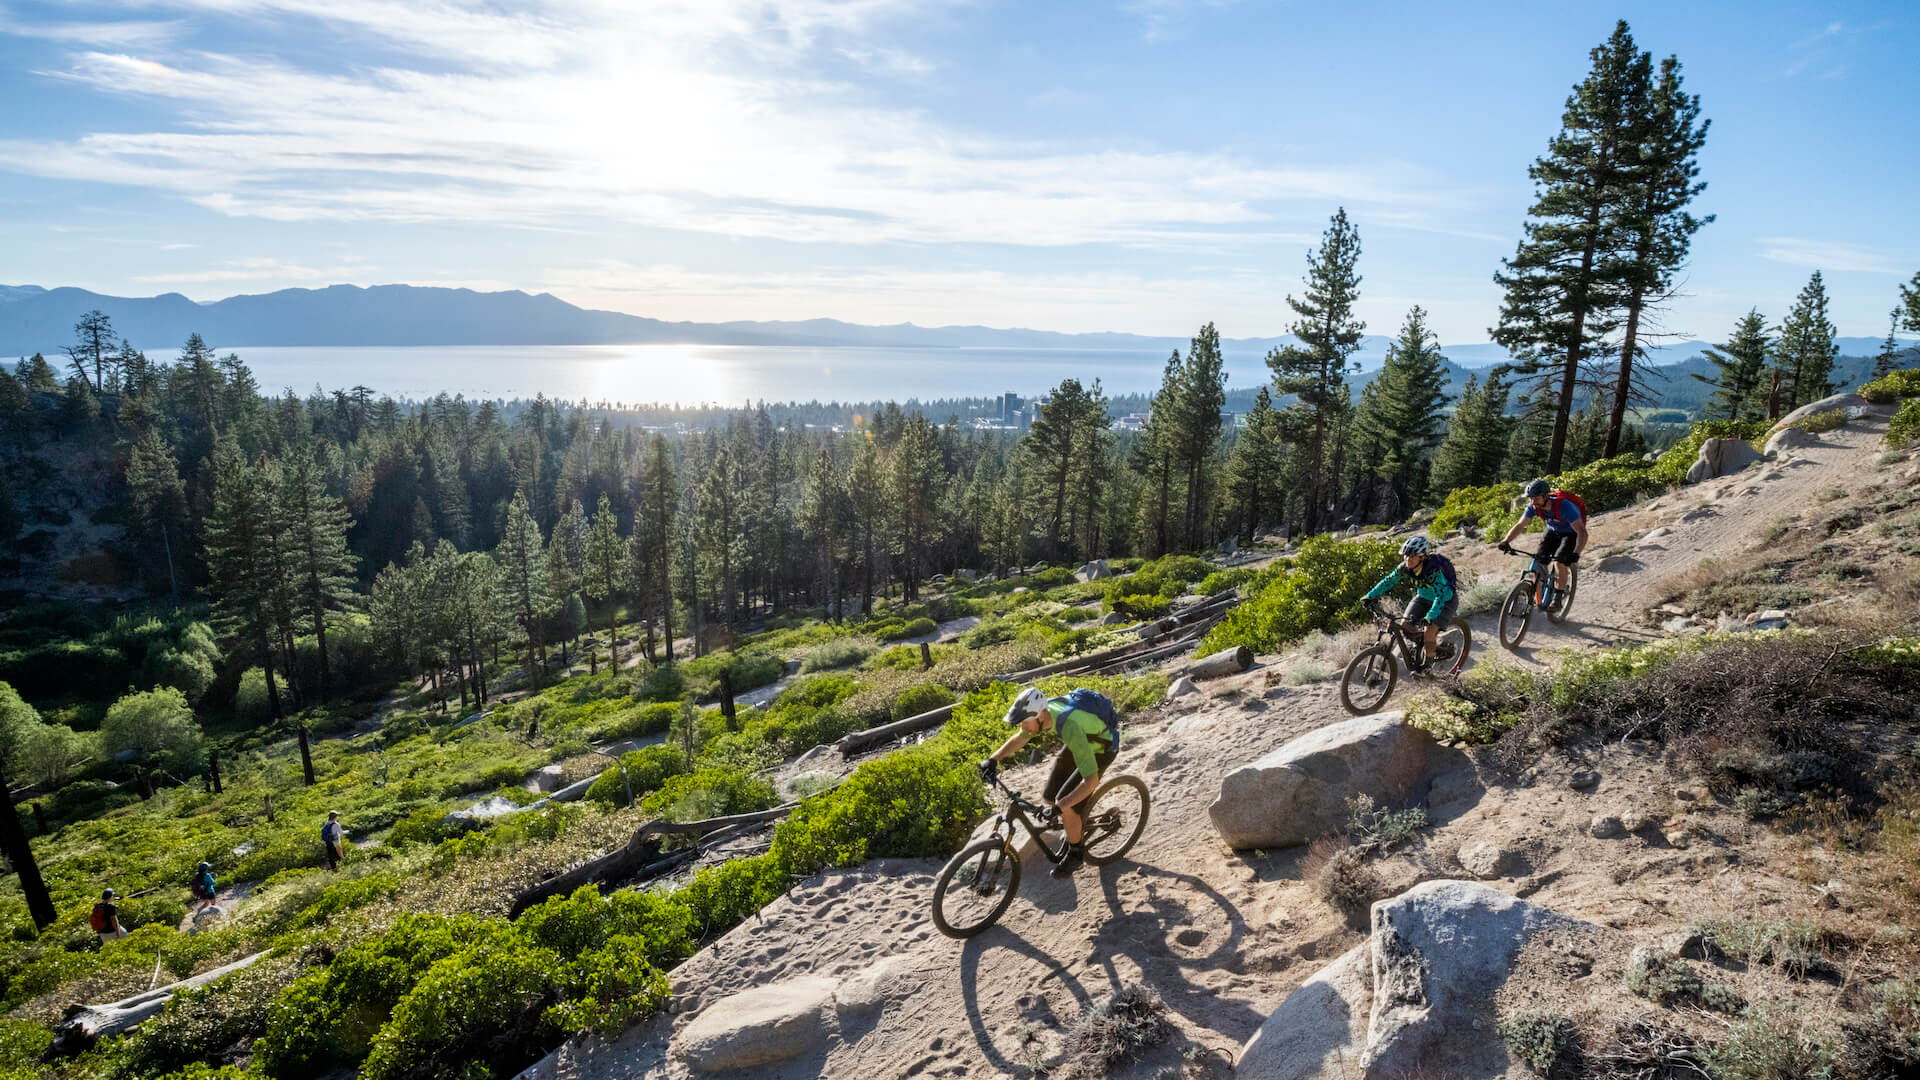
[(1434, 581)]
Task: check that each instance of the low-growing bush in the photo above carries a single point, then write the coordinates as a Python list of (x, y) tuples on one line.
[(1546, 1041), (1221, 580), (203, 1024), (647, 769), (1118, 1029), (1319, 590), (1770, 1044), (634, 723), (915, 700), (663, 684), (1895, 385), (343, 895), (1342, 878), (709, 793), (1904, 428), (1145, 595), (910, 629), (1823, 421), (1489, 509), (839, 653)]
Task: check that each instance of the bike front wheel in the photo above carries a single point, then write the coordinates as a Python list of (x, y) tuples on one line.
[(975, 887), (1558, 614), (1453, 643), (1115, 818), (1515, 614), (1369, 680)]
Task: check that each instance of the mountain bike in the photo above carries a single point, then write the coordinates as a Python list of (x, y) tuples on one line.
[(975, 887), (1535, 590), (1373, 672)]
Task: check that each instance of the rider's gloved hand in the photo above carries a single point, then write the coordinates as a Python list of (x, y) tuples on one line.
[(989, 770), (1506, 547)]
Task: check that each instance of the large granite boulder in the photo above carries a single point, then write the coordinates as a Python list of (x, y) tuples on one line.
[(760, 1026), (1721, 457), (1791, 438), (1842, 402), (1299, 792), (1418, 995), (1094, 571)]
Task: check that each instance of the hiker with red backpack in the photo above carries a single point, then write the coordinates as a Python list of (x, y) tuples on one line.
[(105, 918), (1565, 515)]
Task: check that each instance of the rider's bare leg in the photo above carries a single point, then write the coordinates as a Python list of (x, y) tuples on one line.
[(1560, 573), (1070, 821), (1432, 637)]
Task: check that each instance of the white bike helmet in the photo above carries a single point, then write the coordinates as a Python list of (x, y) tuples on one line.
[(1029, 702), (1415, 545)]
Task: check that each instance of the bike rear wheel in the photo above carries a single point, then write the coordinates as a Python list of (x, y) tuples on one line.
[(975, 887), (1454, 642), (1515, 613), (1558, 614), (1115, 817), (1369, 680)]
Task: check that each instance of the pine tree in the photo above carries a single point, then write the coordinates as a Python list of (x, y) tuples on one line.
[(159, 499), (315, 526), (914, 485), (1315, 371), (1741, 362), (1405, 415), (1909, 301), (1889, 349), (241, 572), (1566, 280), (1254, 467), (1659, 186), (660, 500), (93, 347), (566, 559), (1475, 446), (1804, 352), (606, 570), (1203, 393), (1053, 442), (825, 514), (1156, 454), (717, 526), (522, 560), (37, 375)]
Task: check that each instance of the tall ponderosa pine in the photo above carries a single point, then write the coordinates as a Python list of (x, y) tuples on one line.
[(241, 573), (1475, 446), (314, 524), (1315, 371), (1203, 393), (914, 483), (93, 347), (1660, 185), (1742, 364), (606, 571), (1567, 279), (523, 565), (1884, 360), (159, 499), (1055, 443), (1254, 468), (1405, 414), (660, 502), (1805, 351), (1156, 455)]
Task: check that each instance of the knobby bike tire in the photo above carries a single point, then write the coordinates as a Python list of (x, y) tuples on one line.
[(1566, 598), (1515, 613), (1097, 853), (991, 854), (1462, 634), (1368, 666)]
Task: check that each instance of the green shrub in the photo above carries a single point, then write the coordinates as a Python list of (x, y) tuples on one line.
[(709, 793), (915, 700), (637, 722), (1452, 719), (647, 768), (1541, 1039), (914, 628), (1319, 590), (21, 1044), (203, 1023), (1221, 580), (842, 652), (610, 988), (344, 895), (912, 802), (1769, 1044), (283, 851), (990, 631), (1488, 508), (1073, 642), (1051, 577), (250, 703), (1145, 595), (477, 1002), (663, 684), (1904, 428), (1826, 420), (1184, 569), (1904, 383)]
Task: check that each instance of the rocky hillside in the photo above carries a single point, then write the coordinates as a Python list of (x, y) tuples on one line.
[(1595, 893)]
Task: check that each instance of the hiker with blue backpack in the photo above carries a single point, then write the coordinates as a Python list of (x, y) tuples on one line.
[(1089, 730), (1436, 590)]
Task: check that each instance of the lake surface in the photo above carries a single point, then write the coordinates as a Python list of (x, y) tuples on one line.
[(711, 374)]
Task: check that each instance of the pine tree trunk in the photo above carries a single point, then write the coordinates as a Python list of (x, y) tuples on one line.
[(13, 840), (1564, 409), (1623, 386), (306, 756), (266, 666), (320, 638)]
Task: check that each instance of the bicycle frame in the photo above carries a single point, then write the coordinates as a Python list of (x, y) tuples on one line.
[(1539, 579), (1016, 811), (1408, 640)]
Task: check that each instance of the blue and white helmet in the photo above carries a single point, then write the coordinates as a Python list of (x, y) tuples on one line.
[(1029, 702), (1415, 545)]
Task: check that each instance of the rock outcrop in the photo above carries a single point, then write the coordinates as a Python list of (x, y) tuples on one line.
[(1299, 791), (759, 1026), (1842, 402), (1792, 438), (1721, 457), (1417, 996)]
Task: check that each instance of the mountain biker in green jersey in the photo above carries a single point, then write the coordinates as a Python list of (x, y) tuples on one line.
[(1436, 594), (1090, 738)]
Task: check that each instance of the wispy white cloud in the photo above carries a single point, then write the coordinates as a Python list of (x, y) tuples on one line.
[(257, 270), (697, 117), (1830, 30), (128, 34), (1164, 19), (1827, 255)]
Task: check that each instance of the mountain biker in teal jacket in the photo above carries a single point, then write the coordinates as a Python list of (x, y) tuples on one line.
[(1089, 743), (1435, 598)]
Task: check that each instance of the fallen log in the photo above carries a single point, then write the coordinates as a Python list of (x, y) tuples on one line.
[(1233, 660), (85, 1025), (853, 743), (640, 857)]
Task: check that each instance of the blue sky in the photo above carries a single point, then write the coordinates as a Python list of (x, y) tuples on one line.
[(1146, 165)]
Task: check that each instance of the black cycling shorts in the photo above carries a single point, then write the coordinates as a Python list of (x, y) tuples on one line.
[(1417, 609), (1066, 777), (1559, 547)]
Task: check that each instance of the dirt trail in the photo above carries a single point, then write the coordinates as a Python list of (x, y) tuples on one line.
[(1223, 937)]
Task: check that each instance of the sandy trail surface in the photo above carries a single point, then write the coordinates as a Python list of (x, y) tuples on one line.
[(1222, 936)]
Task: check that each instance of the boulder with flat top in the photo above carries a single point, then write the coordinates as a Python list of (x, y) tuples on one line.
[(1721, 457), (1299, 792), (1840, 402), (760, 1026)]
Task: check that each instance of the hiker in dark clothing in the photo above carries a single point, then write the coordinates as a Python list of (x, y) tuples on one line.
[(332, 835), (105, 919)]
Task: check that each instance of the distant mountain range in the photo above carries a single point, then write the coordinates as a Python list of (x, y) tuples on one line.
[(35, 319)]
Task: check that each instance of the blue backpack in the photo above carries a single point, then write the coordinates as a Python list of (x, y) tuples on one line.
[(1096, 703)]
